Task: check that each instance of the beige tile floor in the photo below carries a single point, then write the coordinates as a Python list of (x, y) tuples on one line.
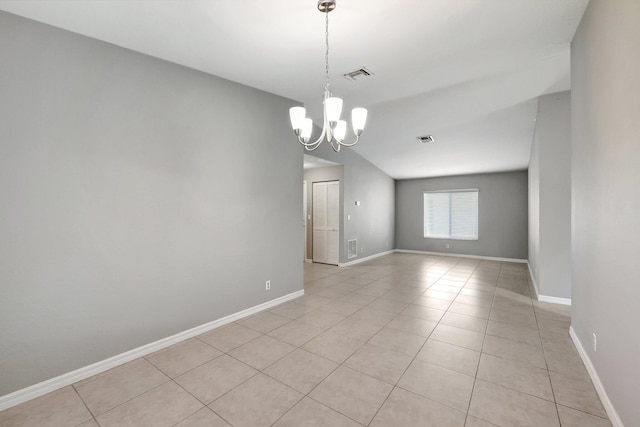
[(403, 340)]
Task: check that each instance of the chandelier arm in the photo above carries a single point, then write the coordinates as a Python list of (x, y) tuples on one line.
[(317, 141), (312, 148), (308, 144), (346, 144)]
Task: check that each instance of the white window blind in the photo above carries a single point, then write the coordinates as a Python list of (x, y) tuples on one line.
[(451, 214)]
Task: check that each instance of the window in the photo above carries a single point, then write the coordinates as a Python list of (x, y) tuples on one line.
[(451, 214)]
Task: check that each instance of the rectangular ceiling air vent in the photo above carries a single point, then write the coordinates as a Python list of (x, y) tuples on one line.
[(358, 74), (426, 139)]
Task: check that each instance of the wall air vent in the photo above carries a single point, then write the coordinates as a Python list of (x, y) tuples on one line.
[(358, 74), (427, 139), (353, 248)]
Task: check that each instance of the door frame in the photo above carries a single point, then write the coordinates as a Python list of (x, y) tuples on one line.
[(339, 182), (305, 224)]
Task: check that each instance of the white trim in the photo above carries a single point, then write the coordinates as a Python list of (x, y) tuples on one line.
[(36, 390), (357, 261), (304, 217), (555, 300), (461, 190), (490, 258), (614, 418), (533, 280), (309, 260), (546, 298)]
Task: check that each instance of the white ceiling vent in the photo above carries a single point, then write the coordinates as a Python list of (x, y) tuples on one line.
[(427, 139), (358, 74)]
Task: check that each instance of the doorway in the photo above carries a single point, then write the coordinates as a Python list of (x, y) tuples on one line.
[(326, 222)]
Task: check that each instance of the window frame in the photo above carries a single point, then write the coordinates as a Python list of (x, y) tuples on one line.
[(462, 190)]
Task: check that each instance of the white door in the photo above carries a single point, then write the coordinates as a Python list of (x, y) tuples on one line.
[(326, 222), (333, 222)]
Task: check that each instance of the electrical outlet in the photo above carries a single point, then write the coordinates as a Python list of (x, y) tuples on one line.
[(595, 343), (267, 285), (447, 246), (361, 250)]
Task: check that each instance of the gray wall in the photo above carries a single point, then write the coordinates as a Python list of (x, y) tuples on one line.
[(372, 223), (550, 196), (606, 196), (137, 200), (502, 215), (329, 173)]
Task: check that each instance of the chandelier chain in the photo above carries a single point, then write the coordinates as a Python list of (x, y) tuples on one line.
[(326, 55)]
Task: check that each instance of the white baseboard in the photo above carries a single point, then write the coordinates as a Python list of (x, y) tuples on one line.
[(36, 390), (606, 402), (533, 280), (309, 260), (545, 298), (409, 251), (359, 260), (489, 258), (555, 300)]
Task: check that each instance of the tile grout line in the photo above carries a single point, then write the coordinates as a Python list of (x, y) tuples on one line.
[(416, 355), (286, 385), (342, 364), (544, 354), (85, 405), (134, 397), (520, 391), (475, 377)]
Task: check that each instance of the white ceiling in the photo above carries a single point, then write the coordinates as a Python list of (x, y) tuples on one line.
[(466, 71)]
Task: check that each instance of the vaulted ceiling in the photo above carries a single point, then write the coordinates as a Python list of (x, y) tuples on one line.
[(467, 72)]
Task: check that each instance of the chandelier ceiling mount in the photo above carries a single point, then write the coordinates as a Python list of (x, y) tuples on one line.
[(325, 6)]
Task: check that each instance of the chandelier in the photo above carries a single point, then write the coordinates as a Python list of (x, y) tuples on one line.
[(333, 128)]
